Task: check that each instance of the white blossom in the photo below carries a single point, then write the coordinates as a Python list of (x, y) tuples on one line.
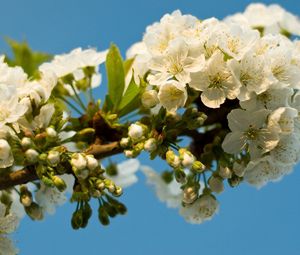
[(176, 62), (6, 157), (272, 19), (172, 95), (251, 74), (201, 210), (263, 170), (235, 39), (50, 197), (250, 132), (215, 82), (169, 193), (159, 35), (126, 173)]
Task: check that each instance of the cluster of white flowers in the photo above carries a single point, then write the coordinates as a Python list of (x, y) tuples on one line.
[(269, 19), (25, 110), (248, 58), (74, 63)]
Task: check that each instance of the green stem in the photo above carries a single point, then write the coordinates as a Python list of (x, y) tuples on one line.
[(78, 98), (71, 105)]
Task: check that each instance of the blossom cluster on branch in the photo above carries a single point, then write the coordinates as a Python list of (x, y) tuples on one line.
[(230, 86)]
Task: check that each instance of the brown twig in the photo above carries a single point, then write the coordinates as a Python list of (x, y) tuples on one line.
[(26, 175)]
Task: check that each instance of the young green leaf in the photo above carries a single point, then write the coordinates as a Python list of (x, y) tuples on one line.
[(132, 91), (115, 75), (127, 65)]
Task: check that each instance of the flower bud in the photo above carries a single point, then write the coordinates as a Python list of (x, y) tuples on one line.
[(59, 183), (125, 141), (149, 98), (26, 142), (32, 155), (4, 149), (189, 195), (118, 191), (172, 159), (198, 167), (128, 153), (150, 145), (77, 219), (51, 132), (34, 211), (135, 131), (103, 216), (92, 163), (53, 158), (100, 185), (81, 173), (78, 161), (25, 196), (216, 184), (187, 158), (225, 172)]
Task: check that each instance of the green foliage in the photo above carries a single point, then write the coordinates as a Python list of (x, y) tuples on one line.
[(115, 75), (118, 100), (130, 100), (25, 57)]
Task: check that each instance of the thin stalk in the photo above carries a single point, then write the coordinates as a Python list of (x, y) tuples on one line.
[(78, 98), (71, 105)]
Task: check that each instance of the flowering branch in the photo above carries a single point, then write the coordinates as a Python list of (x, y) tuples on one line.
[(231, 86), (26, 175)]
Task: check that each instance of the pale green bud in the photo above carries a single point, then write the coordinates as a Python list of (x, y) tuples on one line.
[(92, 163), (118, 191), (32, 155), (34, 211), (59, 183), (172, 159), (26, 142), (198, 166), (53, 157), (187, 158), (129, 153), (5, 149), (150, 145), (125, 141), (135, 131), (78, 161), (149, 98), (81, 173), (25, 196), (190, 194), (51, 132)]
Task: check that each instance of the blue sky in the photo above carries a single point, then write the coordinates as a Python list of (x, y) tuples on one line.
[(249, 222)]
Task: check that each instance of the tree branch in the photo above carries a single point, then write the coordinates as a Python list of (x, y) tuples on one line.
[(26, 175)]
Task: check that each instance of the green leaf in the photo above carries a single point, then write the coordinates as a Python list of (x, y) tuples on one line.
[(131, 93), (25, 57), (108, 104), (133, 105), (127, 64), (115, 75)]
